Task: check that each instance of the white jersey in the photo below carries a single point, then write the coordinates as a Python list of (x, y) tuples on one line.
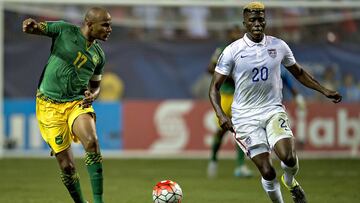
[(255, 68)]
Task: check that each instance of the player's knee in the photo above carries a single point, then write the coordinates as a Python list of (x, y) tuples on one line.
[(290, 159), (91, 144), (267, 172), (67, 167)]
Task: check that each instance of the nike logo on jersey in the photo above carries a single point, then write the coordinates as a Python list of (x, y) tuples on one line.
[(243, 56)]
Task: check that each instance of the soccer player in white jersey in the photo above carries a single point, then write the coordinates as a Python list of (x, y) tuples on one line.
[(259, 121)]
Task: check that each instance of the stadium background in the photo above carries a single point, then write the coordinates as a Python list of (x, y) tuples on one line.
[(157, 58)]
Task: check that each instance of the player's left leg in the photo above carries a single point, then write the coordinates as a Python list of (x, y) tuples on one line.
[(84, 129), (281, 139), (285, 150)]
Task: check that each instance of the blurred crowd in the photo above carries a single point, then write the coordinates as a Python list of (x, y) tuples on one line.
[(348, 84), (292, 24), (153, 23), (199, 22)]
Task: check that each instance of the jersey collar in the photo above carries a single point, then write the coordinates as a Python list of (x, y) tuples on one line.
[(250, 43)]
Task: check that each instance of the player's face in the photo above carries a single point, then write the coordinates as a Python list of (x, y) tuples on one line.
[(255, 24), (101, 29)]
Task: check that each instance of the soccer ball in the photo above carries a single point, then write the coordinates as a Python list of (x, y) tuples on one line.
[(167, 191)]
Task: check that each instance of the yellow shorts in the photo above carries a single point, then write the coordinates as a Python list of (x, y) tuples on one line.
[(226, 101), (56, 120)]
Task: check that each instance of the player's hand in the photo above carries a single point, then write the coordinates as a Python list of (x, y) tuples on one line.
[(333, 95), (300, 102), (226, 124), (29, 25), (88, 99)]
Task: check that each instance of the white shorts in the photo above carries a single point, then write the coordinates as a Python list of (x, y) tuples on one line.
[(258, 130)]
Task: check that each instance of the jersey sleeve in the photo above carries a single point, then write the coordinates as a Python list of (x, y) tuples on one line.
[(289, 58), (54, 28), (225, 62)]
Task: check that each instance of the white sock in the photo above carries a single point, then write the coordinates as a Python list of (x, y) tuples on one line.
[(290, 172), (272, 188)]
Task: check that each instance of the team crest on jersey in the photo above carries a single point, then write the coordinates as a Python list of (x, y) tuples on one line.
[(272, 53), (95, 59)]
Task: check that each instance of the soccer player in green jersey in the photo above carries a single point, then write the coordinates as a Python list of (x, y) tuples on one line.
[(68, 85)]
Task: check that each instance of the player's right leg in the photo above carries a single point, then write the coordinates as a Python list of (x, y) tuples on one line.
[(69, 176), (54, 130), (268, 180)]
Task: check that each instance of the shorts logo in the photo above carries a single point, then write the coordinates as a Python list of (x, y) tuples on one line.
[(248, 140), (272, 53), (59, 139)]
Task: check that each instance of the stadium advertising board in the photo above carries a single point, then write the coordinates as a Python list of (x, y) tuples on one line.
[(22, 131), (183, 125)]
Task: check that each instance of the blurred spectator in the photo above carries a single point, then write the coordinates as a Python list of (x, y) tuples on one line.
[(329, 80), (349, 24), (71, 13), (292, 23), (169, 19), (196, 17), (149, 16), (349, 89)]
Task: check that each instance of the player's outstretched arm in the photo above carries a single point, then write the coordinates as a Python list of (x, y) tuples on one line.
[(215, 99), (32, 27), (309, 81)]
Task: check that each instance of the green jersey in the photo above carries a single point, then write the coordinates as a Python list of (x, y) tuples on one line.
[(228, 87), (71, 64)]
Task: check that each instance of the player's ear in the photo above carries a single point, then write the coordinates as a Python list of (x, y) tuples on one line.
[(87, 22), (89, 25)]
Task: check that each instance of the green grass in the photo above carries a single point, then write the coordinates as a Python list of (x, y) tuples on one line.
[(131, 181)]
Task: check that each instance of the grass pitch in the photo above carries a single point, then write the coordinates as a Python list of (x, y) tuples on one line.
[(131, 181)]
